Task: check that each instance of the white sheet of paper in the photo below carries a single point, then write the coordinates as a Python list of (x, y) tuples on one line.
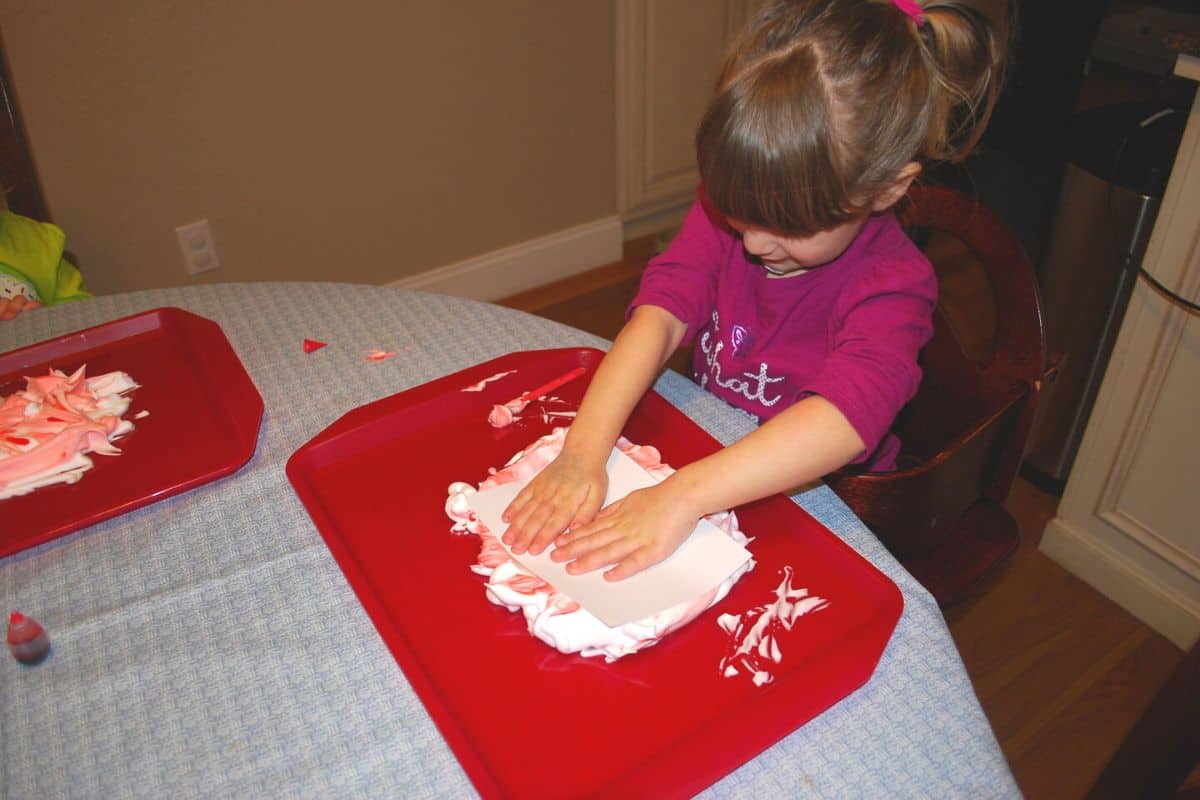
[(705, 559)]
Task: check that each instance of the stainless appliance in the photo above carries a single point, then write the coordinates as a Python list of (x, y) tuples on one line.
[(1111, 192)]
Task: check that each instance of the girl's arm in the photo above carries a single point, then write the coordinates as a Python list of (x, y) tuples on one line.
[(802, 443), (571, 489)]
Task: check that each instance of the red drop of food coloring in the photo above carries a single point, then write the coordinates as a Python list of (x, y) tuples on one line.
[(27, 640)]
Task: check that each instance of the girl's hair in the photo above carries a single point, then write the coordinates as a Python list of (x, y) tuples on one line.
[(821, 103)]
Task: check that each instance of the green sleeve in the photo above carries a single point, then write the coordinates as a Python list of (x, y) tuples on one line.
[(33, 252), (69, 285)]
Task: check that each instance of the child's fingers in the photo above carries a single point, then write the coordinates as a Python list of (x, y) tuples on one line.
[(514, 508), (598, 523), (536, 525), (579, 542), (606, 547), (554, 524), (11, 307), (525, 522), (523, 511), (634, 563), (587, 511)]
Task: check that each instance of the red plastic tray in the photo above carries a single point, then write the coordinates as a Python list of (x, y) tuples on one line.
[(204, 418), (523, 719)]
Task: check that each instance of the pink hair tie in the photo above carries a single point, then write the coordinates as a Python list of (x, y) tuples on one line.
[(913, 9)]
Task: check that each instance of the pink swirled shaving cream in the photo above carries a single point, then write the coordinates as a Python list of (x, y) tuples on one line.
[(754, 645), (48, 429), (550, 615)]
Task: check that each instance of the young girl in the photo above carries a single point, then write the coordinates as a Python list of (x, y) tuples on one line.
[(807, 302)]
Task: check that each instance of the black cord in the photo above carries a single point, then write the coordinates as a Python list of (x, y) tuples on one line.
[(1124, 258), (1174, 298)]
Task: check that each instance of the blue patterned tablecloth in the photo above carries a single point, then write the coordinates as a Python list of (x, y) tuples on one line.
[(209, 646)]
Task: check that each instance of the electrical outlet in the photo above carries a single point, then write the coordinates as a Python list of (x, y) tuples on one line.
[(198, 248)]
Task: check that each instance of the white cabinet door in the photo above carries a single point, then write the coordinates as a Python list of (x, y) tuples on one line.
[(668, 54)]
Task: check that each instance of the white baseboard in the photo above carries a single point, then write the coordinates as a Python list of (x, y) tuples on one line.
[(1120, 581), (659, 218), (525, 265)]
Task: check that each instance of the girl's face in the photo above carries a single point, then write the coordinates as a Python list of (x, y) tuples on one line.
[(786, 255)]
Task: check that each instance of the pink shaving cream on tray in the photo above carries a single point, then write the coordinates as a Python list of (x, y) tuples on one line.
[(479, 385), (504, 414), (48, 429), (550, 615), (754, 646)]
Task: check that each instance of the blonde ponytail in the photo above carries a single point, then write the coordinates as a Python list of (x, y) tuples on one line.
[(966, 54)]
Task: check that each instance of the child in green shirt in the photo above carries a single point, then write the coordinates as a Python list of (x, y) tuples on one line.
[(33, 271)]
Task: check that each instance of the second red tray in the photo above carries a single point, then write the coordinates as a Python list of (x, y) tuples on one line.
[(523, 719), (204, 418)]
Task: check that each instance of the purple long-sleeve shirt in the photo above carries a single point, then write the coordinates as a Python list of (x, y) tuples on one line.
[(849, 331)]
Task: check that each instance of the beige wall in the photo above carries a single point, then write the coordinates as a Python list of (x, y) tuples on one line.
[(358, 141)]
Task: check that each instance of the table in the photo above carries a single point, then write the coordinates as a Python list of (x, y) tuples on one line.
[(208, 645)]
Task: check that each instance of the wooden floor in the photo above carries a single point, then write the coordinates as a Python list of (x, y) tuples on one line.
[(1061, 671)]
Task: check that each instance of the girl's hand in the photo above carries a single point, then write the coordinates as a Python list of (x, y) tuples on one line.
[(567, 493), (634, 533), (11, 306)]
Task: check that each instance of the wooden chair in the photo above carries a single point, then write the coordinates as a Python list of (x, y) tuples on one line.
[(964, 434)]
